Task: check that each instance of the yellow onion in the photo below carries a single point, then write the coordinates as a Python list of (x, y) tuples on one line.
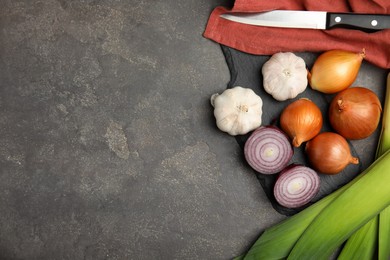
[(335, 70), (301, 121), (355, 112), (329, 153)]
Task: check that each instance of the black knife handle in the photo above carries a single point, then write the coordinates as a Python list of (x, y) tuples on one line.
[(366, 22)]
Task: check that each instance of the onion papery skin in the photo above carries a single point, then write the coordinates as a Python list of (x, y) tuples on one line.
[(335, 70), (355, 113), (296, 186), (268, 150), (301, 121), (329, 153)]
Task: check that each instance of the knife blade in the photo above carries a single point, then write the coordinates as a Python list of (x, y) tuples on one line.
[(312, 20)]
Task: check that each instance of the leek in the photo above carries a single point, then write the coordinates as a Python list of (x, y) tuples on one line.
[(384, 145)]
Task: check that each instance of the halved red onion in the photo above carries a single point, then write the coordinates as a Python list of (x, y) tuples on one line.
[(296, 186), (268, 150)]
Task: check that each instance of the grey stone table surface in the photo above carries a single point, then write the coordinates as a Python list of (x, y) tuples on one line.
[(108, 145)]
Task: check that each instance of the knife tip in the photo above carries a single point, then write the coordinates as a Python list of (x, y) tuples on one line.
[(225, 16)]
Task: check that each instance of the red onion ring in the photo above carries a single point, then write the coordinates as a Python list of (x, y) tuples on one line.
[(296, 186), (268, 150)]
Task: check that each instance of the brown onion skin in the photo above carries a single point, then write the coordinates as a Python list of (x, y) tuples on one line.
[(335, 70), (329, 153), (355, 113), (301, 121)]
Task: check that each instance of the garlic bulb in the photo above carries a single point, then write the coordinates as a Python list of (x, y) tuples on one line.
[(284, 76), (237, 110)]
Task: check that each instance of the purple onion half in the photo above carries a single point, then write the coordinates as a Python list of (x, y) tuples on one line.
[(268, 150), (296, 186)]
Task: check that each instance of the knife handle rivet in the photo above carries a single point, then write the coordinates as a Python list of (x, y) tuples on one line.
[(337, 19), (374, 22)]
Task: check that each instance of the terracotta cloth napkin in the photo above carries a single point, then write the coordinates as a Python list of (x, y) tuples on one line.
[(267, 41)]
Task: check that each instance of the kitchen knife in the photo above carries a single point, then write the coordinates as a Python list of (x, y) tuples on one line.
[(312, 20)]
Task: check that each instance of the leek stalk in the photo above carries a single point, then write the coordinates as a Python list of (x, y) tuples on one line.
[(363, 243), (384, 235), (384, 145)]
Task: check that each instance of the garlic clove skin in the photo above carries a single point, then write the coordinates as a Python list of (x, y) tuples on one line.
[(284, 76), (237, 110)]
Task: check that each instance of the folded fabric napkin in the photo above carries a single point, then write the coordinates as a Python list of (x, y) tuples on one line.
[(267, 41)]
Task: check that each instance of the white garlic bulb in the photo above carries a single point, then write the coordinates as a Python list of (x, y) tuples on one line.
[(284, 76), (237, 110)]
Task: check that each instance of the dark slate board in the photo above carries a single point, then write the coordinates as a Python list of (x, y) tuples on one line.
[(245, 71)]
